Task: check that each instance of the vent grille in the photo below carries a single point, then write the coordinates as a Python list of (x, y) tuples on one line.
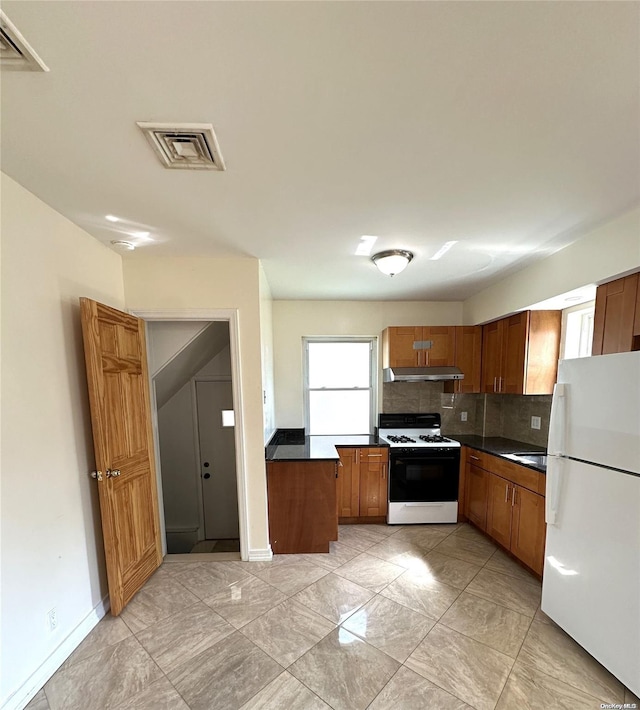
[(15, 52), (186, 146)]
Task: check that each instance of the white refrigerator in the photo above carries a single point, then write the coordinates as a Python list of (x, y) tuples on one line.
[(591, 583)]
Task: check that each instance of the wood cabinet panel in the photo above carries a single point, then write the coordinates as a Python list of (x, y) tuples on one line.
[(614, 321), (477, 481), (348, 484), (509, 512), (302, 506), (363, 482), (520, 353), (443, 346), (492, 336), (500, 494), (397, 346), (468, 357), (528, 529), (514, 350)]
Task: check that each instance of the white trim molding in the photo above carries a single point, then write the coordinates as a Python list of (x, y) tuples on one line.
[(261, 554), (31, 687), (231, 315)]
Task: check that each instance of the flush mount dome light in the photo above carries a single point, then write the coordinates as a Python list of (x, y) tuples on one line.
[(393, 261)]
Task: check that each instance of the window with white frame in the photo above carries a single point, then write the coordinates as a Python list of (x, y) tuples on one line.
[(340, 385), (577, 331)]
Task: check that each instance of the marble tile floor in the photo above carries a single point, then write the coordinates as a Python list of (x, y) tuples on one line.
[(416, 618)]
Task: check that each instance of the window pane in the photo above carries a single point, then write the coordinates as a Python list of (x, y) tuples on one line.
[(339, 365), (339, 412)]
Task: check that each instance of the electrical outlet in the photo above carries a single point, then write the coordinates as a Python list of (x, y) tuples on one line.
[(536, 422), (52, 617), (463, 416)]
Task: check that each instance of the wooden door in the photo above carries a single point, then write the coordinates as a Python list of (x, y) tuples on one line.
[(614, 317), (217, 461), (118, 382), (491, 355), (528, 530), (348, 488), (477, 496), (399, 346), (373, 482), (514, 350), (500, 493), (443, 346), (468, 357)]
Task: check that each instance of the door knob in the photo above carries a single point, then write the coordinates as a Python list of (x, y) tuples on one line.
[(113, 473), (97, 475), (207, 475)]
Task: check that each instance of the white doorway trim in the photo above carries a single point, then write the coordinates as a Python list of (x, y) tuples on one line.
[(231, 316)]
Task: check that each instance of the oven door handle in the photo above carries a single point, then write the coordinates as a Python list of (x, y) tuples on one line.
[(423, 505)]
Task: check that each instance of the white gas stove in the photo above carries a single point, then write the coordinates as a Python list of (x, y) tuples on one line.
[(423, 469), (413, 431)]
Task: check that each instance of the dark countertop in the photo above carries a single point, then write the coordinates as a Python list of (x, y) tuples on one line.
[(498, 446), (298, 447)]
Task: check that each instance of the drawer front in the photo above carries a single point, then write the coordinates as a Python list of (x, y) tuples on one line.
[(477, 458), (371, 454), (521, 475)]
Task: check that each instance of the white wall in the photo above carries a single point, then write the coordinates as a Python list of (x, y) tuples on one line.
[(599, 256), (178, 461), (166, 338), (292, 320), (52, 550), (266, 336), (205, 284)]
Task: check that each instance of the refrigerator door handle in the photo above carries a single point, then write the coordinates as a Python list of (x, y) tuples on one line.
[(555, 469), (558, 420)]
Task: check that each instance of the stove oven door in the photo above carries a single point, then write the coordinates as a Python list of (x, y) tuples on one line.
[(423, 486)]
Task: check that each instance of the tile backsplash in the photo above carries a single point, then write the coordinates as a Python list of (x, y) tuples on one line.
[(506, 415)]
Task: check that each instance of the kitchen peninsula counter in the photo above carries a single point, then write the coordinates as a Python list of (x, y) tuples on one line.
[(298, 447)]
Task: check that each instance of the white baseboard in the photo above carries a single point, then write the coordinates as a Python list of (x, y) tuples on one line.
[(23, 695), (260, 554)]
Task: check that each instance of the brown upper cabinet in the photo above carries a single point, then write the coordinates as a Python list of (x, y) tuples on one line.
[(419, 346), (616, 321), (468, 358), (520, 353)]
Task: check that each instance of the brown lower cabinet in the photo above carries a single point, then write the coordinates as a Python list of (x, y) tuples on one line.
[(509, 507), (302, 505), (362, 483)]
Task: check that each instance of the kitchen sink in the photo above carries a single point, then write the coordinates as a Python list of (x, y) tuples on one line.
[(532, 459)]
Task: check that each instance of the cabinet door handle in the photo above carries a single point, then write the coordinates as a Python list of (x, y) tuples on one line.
[(513, 496), (506, 493), (500, 384), (494, 383), (384, 471), (372, 455), (475, 458)]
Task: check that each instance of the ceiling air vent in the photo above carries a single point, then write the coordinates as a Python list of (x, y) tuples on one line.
[(15, 52), (186, 146)]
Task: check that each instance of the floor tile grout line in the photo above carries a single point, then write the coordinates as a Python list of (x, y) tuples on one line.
[(568, 684)]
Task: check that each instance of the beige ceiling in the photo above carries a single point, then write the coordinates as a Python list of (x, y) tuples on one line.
[(510, 127)]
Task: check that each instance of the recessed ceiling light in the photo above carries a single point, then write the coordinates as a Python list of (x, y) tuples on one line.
[(366, 245), (443, 250), (122, 245), (112, 218)]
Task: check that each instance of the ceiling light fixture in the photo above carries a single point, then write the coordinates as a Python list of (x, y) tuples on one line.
[(365, 246), (393, 261), (112, 218), (122, 245), (443, 250)]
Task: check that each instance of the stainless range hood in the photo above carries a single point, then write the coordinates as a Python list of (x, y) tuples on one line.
[(421, 374)]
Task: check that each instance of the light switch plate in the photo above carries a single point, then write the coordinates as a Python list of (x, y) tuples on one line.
[(536, 422)]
